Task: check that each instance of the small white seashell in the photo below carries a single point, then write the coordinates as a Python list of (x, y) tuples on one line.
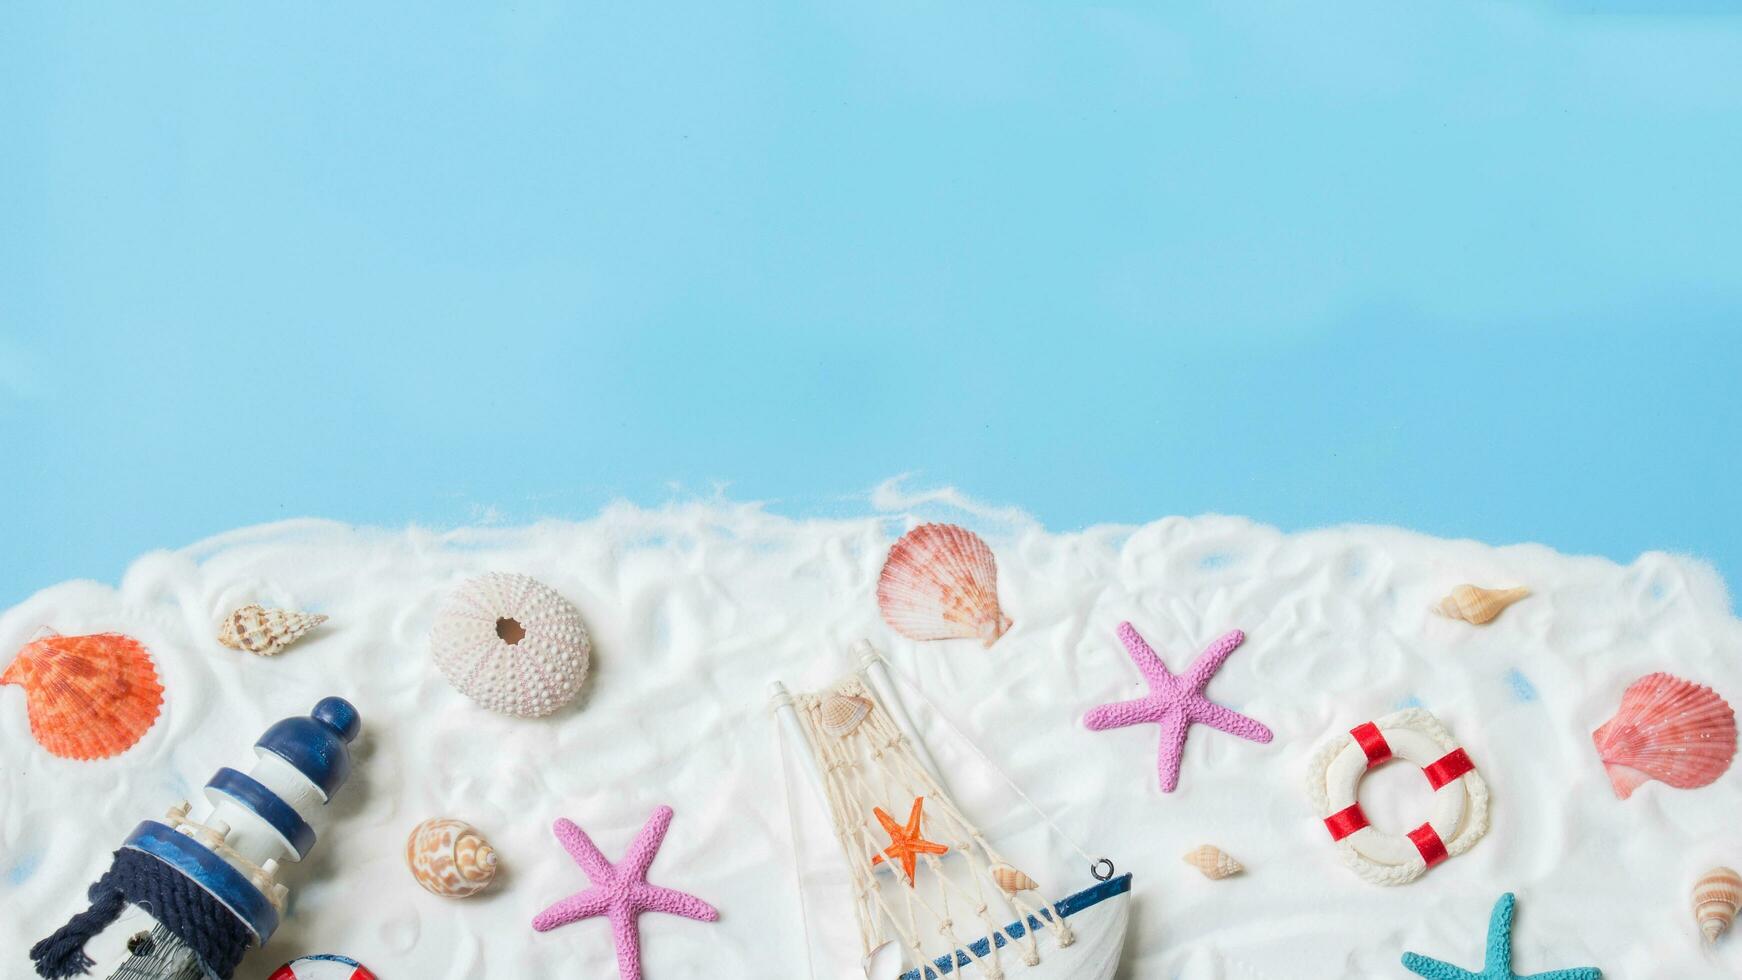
[(449, 858), (1214, 862), (512, 644), (839, 714), (1478, 605), (1717, 896), (265, 632), (1011, 881)]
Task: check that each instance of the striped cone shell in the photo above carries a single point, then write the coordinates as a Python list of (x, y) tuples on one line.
[(1010, 881), (88, 697), (1717, 897), (1214, 862), (265, 632), (449, 858), (1668, 729), (940, 582)]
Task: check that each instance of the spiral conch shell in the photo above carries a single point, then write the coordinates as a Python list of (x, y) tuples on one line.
[(839, 714), (1477, 605), (940, 582), (1011, 881), (1668, 729), (1214, 862), (450, 858), (265, 632), (1717, 897)]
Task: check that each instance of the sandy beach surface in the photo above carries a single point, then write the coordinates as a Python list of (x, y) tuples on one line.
[(693, 609)]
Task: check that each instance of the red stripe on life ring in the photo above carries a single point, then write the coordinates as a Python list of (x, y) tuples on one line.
[(1448, 767), (1372, 742), (1427, 841), (1346, 821)]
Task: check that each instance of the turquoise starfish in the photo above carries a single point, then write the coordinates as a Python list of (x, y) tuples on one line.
[(1499, 964)]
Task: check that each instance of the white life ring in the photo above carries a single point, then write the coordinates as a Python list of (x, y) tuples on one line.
[(1460, 812)]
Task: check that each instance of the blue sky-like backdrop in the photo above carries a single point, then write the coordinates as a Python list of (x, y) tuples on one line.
[(1470, 267)]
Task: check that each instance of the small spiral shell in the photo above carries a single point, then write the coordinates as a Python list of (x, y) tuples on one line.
[(1010, 881), (450, 858), (265, 632), (1477, 605), (1717, 896), (1214, 862)]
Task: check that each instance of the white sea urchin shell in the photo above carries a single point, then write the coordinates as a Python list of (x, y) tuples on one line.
[(512, 644)]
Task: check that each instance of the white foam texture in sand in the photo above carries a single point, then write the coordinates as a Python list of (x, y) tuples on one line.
[(693, 609)]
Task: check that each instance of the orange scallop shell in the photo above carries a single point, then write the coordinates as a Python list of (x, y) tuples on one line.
[(1674, 731), (940, 583), (88, 697)]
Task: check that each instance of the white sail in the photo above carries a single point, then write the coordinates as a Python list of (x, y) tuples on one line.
[(967, 911)]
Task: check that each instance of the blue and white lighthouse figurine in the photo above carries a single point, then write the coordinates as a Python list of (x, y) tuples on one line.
[(185, 898)]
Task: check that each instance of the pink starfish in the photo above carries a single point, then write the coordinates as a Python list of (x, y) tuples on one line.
[(621, 893), (1176, 702)]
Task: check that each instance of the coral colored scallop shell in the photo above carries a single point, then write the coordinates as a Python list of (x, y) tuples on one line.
[(88, 697), (1214, 862), (1477, 605), (263, 631), (450, 858), (512, 644), (1717, 897), (940, 582), (1668, 729)]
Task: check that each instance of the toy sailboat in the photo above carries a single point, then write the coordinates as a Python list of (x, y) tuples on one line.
[(933, 897)]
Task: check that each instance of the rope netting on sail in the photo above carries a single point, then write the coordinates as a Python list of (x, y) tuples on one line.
[(895, 821)]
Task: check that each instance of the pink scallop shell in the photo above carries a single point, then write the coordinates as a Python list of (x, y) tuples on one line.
[(1674, 731), (941, 583)]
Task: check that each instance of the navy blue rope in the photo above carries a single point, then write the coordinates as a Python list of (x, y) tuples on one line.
[(185, 909)]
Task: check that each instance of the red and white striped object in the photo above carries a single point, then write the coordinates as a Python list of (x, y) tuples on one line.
[(1460, 812), (325, 966)]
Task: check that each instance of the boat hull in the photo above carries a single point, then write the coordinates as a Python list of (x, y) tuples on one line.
[(1097, 917)]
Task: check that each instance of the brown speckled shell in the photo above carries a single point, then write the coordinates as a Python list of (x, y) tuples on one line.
[(265, 632)]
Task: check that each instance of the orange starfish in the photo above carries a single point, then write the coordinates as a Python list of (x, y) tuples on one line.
[(905, 844)]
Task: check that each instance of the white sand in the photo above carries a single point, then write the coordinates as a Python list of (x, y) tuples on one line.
[(695, 609)]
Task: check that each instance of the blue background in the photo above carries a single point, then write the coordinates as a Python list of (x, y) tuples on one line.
[(1470, 267)]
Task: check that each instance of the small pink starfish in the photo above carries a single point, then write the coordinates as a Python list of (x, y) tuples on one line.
[(621, 893), (1176, 702)]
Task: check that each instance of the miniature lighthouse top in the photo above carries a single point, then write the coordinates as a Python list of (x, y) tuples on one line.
[(316, 745), (259, 818), (226, 861)]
